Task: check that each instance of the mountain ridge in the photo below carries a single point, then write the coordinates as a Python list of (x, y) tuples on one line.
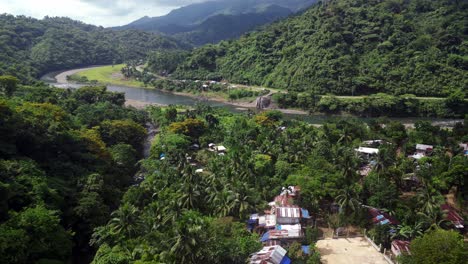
[(32, 47), (192, 19)]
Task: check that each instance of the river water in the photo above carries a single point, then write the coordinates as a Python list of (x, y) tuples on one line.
[(154, 96)]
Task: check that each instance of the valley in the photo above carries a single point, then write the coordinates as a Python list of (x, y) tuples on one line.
[(234, 131)]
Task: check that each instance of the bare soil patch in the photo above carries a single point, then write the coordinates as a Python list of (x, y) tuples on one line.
[(349, 251)]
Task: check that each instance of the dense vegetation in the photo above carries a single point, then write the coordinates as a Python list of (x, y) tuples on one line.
[(349, 47), (181, 215), (65, 159), (376, 105), (31, 47)]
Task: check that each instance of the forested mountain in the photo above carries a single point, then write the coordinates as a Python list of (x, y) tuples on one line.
[(349, 47), (31, 47), (212, 21), (221, 27)]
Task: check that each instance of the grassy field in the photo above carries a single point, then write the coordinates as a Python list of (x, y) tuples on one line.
[(109, 75)]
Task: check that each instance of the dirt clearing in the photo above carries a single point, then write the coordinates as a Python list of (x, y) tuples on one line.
[(349, 251)]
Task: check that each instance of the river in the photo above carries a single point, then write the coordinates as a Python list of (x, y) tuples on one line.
[(147, 96)]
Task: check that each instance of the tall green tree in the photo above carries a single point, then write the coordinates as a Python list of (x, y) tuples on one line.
[(8, 84), (438, 246)]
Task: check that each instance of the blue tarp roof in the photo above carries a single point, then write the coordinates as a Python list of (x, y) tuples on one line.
[(285, 260), (384, 222), (252, 221), (305, 213), (306, 250), (265, 237)]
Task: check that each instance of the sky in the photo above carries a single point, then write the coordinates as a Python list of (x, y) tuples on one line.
[(97, 12)]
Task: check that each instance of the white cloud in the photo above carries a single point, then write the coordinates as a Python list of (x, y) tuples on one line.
[(97, 12)]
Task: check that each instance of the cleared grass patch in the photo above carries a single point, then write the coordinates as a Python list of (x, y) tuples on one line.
[(109, 75)]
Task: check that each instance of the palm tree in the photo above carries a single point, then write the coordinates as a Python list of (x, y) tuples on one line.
[(126, 221), (243, 201), (428, 199), (409, 232), (224, 202), (347, 162), (437, 218), (188, 238), (348, 200), (385, 159), (191, 189)]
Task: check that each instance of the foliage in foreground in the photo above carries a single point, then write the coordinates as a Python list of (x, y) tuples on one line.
[(65, 158), (438, 246)]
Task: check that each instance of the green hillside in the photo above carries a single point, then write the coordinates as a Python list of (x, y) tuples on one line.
[(31, 47), (349, 47)]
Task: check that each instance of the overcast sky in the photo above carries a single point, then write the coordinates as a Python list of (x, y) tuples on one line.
[(97, 12)]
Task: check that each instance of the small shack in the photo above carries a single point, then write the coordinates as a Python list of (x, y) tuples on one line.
[(400, 247), (464, 147), (424, 149), (366, 153), (453, 216), (221, 149), (382, 218), (270, 255)]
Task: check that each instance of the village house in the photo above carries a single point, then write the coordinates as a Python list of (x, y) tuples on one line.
[(367, 152), (410, 182), (373, 143), (464, 147), (221, 150), (270, 255), (382, 218), (453, 216), (282, 224), (422, 151), (368, 157)]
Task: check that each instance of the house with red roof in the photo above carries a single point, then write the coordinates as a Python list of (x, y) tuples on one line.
[(400, 247), (453, 216)]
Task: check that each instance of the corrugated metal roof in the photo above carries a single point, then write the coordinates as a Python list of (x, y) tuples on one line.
[(270, 254), (453, 216), (424, 147), (278, 255), (285, 233), (400, 246), (288, 212), (367, 150), (382, 217)]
